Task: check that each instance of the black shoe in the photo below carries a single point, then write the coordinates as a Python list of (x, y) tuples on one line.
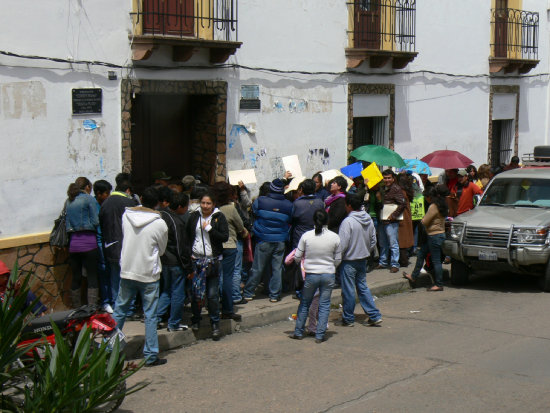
[(195, 326), (243, 301), (157, 362), (216, 333), (135, 317), (295, 337), (347, 324), (310, 333), (180, 327), (236, 317), (161, 325), (320, 340)]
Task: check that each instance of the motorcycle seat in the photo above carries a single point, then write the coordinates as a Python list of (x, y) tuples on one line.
[(43, 325)]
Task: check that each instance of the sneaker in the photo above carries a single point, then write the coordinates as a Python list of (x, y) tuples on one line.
[(242, 301), (195, 327), (107, 308), (394, 270), (179, 327), (320, 340), (347, 324), (374, 322), (380, 267), (274, 300), (295, 337), (248, 298), (157, 362), (235, 317)]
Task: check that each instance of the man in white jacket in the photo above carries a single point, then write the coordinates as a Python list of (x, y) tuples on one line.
[(145, 236), (357, 243)]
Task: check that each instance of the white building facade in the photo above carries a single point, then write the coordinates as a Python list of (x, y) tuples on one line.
[(210, 86)]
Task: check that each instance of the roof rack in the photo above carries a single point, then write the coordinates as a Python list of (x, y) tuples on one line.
[(529, 159)]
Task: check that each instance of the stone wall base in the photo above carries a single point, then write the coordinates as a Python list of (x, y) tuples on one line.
[(50, 273)]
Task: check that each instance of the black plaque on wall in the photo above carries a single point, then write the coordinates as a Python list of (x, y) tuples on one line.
[(86, 101)]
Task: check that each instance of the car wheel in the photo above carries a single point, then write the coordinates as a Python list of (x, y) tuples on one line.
[(460, 272), (544, 280)]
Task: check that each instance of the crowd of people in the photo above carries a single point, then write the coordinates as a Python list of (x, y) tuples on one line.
[(184, 242)]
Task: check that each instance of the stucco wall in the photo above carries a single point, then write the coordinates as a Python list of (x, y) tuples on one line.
[(45, 147)]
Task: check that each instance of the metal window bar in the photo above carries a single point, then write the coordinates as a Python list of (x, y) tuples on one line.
[(383, 24), (515, 33), (203, 19)]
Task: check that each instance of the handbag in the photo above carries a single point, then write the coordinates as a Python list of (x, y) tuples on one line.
[(59, 237)]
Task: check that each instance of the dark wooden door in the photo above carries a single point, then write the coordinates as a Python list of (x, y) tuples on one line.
[(367, 24), (161, 137), (168, 17), (501, 28)]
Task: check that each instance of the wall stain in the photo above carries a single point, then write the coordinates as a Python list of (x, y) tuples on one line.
[(23, 100)]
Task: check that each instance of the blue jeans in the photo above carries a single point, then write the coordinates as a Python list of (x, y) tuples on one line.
[(389, 244), (173, 295), (104, 280), (150, 297), (228, 270), (325, 284), (114, 272), (237, 273), (267, 254), (354, 277), (433, 246), (213, 297)]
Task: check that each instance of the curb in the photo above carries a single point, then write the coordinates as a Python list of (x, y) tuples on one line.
[(268, 314)]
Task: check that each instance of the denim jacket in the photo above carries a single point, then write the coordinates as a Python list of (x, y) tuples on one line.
[(82, 214)]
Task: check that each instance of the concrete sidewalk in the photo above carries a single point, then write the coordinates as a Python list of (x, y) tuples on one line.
[(256, 313)]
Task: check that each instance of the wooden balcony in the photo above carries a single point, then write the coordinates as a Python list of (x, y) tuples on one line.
[(187, 26)]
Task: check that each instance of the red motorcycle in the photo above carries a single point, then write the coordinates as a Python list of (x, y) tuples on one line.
[(39, 331)]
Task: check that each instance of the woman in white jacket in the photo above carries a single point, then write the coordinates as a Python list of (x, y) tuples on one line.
[(321, 251)]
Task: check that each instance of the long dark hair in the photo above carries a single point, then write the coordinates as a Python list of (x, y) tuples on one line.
[(438, 196), (77, 187), (320, 218)]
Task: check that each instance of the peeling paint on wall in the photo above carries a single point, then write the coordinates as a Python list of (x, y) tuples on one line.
[(23, 100), (86, 148), (315, 100)]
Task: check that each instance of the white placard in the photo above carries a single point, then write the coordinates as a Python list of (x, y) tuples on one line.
[(295, 183), (332, 173), (292, 164), (248, 176)]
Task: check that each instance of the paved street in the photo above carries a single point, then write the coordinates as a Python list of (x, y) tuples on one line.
[(484, 348)]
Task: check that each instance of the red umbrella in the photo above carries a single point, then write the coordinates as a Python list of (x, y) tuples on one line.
[(447, 159)]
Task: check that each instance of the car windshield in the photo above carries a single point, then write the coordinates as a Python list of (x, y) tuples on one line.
[(519, 192)]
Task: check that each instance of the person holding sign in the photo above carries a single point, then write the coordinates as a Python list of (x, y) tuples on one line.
[(392, 213), (434, 222)]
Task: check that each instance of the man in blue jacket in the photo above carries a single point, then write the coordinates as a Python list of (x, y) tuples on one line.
[(271, 229)]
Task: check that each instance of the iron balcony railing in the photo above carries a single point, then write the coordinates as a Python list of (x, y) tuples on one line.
[(202, 19), (383, 24), (514, 34)]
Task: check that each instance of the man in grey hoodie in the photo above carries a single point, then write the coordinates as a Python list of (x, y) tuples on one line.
[(357, 243)]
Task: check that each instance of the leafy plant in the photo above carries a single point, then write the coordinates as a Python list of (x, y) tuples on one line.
[(86, 379), (14, 316)]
